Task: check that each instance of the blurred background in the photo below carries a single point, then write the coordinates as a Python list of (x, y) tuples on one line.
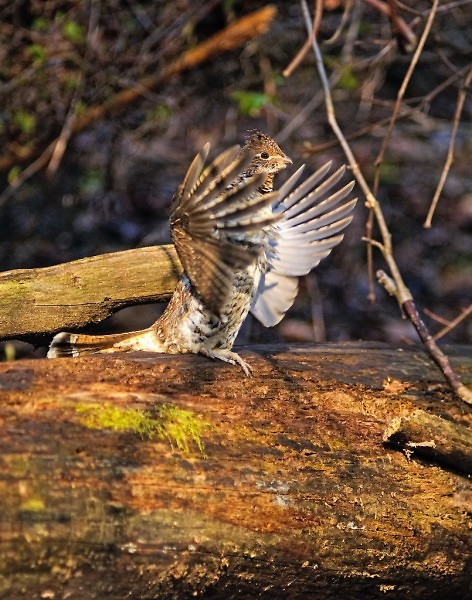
[(109, 182)]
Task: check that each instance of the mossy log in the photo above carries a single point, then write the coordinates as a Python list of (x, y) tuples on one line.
[(39, 302), (145, 476)]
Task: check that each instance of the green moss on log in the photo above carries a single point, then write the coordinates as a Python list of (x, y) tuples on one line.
[(180, 427)]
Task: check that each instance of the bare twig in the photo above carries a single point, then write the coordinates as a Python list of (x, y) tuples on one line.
[(27, 173), (68, 127), (394, 282), (399, 27), (306, 46), (334, 38), (316, 305), (451, 6), (401, 93), (432, 315), (385, 281), (60, 144), (448, 325), (403, 292), (407, 111), (439, 358), (450, 152), (369, 229)]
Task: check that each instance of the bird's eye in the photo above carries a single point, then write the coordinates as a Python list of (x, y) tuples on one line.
[(264, 155)]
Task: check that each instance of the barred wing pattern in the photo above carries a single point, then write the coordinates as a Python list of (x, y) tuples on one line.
[(208, 208), (309, 228)]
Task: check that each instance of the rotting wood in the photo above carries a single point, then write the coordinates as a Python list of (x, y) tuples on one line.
[(71, 295), (294, 494), (433, 438)]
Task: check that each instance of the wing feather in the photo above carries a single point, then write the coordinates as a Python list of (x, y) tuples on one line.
[(212, 204), (312, 217)]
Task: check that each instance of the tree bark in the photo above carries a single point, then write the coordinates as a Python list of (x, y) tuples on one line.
[(71, 295), (154, 476)]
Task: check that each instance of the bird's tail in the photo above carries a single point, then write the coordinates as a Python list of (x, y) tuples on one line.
[(75, 344)]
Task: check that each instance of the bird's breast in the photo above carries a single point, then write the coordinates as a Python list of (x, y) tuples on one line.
[(187, 325)]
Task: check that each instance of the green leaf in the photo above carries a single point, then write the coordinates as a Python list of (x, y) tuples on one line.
[(228, 6), (38, 53), (91, 181), (80, 108), (24, 120), (251, 103), (13, 174), (160, 113), (348, 80), (71, 82), (73, 31), (389, 172), (40, 24)]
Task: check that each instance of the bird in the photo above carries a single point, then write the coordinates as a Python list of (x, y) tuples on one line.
[(243, 246)]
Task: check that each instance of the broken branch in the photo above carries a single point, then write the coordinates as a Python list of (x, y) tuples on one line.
[(433, 438)]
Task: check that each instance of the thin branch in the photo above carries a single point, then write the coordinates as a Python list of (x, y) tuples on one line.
[(432, 315), (303, 113), (399, 27), (334, 38), (406, 112), (387, 282), (449, 326), (404, 293), (451, 6), (369, 230), (307, 45), (27, 173), (439, 358), (375, 243), (68, 127), (401, 92), (450, 153), (60, 144)]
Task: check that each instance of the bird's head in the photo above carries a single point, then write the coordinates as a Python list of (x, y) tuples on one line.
[(268, 158)]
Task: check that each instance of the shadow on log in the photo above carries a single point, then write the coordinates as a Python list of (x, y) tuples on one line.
[(151, 476)]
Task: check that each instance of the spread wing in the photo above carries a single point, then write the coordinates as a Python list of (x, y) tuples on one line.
[(208, 207), (312, 219)]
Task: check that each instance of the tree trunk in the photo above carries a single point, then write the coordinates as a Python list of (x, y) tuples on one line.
[(144, 476)]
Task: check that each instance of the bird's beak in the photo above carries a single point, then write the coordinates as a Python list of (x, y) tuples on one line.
[(287, 161)]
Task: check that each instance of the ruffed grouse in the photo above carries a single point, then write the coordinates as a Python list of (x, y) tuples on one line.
[(242, 247)]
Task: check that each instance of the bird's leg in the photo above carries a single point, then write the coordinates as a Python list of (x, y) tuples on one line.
[(227, 356)]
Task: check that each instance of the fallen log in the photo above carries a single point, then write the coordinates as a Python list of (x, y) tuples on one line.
[(155, 476), (71, 295)]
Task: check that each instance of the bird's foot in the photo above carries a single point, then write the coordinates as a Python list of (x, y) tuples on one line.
[(229, 357)]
